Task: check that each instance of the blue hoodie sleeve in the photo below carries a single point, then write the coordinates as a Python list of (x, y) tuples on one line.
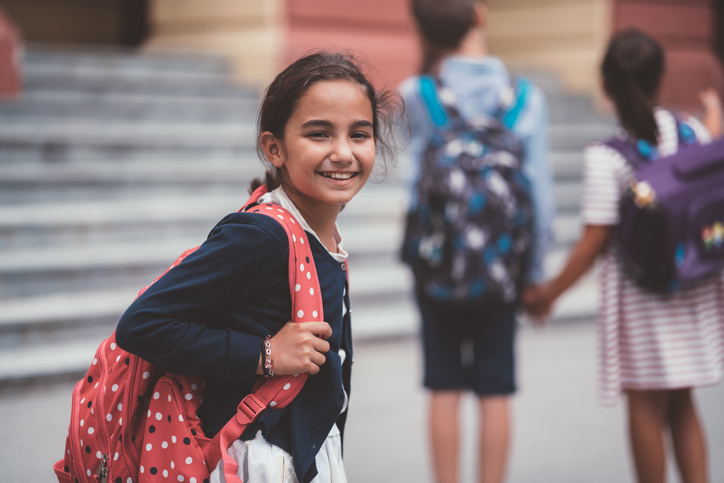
[(536, 145)]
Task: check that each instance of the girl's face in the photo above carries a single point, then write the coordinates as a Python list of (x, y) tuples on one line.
[(328, 150)]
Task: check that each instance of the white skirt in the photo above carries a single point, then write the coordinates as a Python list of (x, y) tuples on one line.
[(261, 462)]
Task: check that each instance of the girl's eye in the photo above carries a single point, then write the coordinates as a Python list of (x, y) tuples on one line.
[(317, 134), (360, 135)]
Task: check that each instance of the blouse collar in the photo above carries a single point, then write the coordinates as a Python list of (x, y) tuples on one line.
[(279, 197)]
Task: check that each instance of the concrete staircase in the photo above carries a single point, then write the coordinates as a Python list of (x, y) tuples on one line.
[(112, 164)]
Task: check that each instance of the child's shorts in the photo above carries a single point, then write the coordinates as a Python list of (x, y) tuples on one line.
[(468, 348)]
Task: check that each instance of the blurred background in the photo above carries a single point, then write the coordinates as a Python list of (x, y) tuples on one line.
[(127, 131)]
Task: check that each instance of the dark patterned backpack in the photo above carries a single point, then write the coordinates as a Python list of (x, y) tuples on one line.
[(468, 235)]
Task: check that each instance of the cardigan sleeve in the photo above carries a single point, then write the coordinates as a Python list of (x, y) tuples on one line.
[(182, 323)]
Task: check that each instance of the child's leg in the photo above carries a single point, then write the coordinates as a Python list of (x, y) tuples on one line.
[(687, 436), (647, 411), (444, 376), (494, 384), (494, 438), (445, 434)]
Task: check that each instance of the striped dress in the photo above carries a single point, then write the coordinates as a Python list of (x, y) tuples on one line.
[(649, 341)]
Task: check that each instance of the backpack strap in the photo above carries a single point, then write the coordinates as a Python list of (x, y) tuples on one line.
[(684, 132), (442, 105), (510, 114), (428, 92), (261, 190), (628, 150), (277, 392), (640, 153)]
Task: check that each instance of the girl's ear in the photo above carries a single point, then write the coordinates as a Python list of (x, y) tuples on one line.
[(272, 148)]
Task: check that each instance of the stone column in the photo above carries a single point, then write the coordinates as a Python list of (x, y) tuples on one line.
[(568, 36), (248, 32)]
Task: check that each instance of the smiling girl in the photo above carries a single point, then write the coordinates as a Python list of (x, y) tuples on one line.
[(320, 126)]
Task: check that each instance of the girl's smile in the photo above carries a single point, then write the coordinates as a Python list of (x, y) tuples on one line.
[(340, 176)]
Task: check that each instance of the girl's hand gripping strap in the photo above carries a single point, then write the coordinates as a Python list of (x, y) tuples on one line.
[(277, 392)]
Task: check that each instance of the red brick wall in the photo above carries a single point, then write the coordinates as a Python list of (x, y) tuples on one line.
[(380, 31), (686, 29), (10, 81)]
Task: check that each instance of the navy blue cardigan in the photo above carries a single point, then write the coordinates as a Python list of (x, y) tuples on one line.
[(209, 315)]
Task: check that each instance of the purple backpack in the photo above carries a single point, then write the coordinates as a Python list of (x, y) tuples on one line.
[(671, 228)]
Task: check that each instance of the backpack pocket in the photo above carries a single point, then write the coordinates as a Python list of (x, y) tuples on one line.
[(172, 438), (60, 472), (708, 226)]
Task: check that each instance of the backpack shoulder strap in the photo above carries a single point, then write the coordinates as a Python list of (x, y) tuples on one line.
[(252, 199), (521, 87), (429, 93), (512, 100), (684, 132), (628, 150), (278, 392)]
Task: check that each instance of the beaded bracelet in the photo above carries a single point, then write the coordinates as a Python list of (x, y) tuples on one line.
[(268, 371)]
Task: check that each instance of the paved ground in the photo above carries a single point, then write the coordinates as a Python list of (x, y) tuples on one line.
[(561, 434)]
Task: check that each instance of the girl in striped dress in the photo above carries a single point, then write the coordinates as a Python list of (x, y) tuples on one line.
[(653, 348)]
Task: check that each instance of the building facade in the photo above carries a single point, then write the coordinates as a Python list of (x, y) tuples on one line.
[(261, 36)]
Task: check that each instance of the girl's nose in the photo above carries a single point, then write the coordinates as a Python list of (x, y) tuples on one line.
[(341, 151)]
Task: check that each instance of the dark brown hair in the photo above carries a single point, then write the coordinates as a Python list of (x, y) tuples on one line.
[(632, 69), (289, 86), (442, 24)]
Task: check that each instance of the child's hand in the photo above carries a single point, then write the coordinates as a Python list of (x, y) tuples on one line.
[(710, 99), (537, 302), (297, 349), (712, 111)]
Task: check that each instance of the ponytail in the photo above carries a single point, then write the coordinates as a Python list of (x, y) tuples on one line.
[(271, 180), (632, 71)]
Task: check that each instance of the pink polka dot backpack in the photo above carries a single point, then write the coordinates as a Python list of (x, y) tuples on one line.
[(131, 422)]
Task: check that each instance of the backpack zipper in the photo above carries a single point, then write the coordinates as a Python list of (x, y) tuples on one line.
[(102, 471), (130, 449), (76, 452)]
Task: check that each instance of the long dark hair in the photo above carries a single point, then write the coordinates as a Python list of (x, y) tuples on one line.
[(289, 86), (632, 71)]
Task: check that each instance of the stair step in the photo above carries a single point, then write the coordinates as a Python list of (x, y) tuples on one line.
[(67, 359), (117, 133), (119, 59), (575, 136), (64, 308), (567, 194), (163, 172), (129, 73), (70, 105), (567, 165)]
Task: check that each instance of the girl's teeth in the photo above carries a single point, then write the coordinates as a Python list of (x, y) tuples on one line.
[(338, 175)]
